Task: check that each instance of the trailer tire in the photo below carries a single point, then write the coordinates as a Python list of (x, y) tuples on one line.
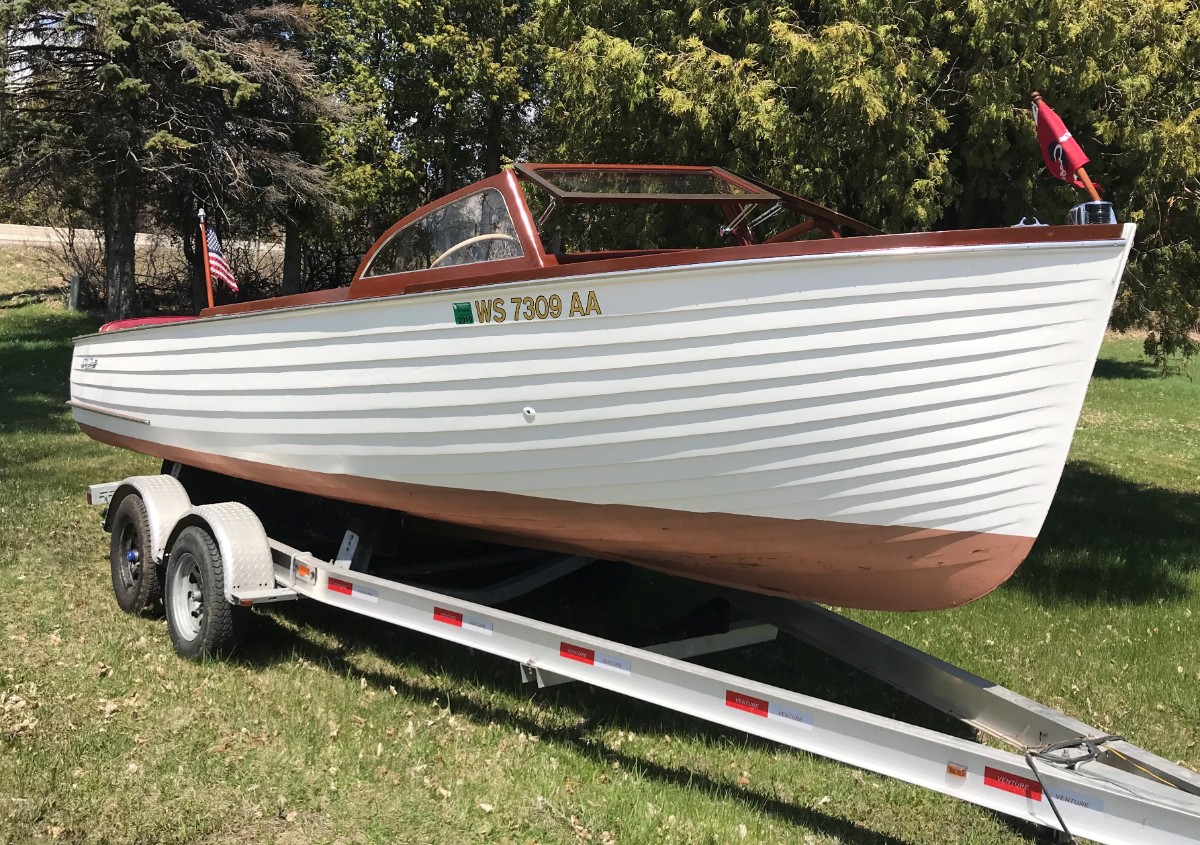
[(202, 623), (135, 576)]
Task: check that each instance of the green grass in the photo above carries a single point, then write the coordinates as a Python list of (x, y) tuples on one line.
[(29, 275), (329, 728)]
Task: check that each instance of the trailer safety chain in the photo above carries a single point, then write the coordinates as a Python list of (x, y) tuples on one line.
[(1089, 749)]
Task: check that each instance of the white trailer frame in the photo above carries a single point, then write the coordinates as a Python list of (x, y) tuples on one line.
[(1092, 799)]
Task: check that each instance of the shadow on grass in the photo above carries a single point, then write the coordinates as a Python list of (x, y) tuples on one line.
[(30, 296), (1110, 540), (447, 672), (35, 360), (1108, 368)]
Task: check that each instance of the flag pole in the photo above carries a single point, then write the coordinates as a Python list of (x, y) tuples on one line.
[(1081, 173), (204, 253)]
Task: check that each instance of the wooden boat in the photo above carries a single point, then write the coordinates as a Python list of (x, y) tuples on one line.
[(798, 406)]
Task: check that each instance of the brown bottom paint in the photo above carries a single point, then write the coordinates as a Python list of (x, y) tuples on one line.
[(845, 564)]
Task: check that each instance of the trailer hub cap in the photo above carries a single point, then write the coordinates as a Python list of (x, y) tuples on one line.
[(131, 572), (187, 598)]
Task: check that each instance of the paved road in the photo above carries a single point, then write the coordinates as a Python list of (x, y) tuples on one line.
[(50, 236)]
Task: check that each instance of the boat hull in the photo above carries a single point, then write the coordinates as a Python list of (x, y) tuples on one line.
[(882, 429)]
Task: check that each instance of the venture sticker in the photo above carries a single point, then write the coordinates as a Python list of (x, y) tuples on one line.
[(462, 620), (609, 662), (1015, 784), (337, 585), (1065, 796), (796, 718), (768, 710)]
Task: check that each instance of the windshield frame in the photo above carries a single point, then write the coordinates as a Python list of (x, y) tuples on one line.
[(749, 192)]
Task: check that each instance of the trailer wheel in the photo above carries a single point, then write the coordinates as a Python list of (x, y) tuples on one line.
[(135, 575), (201, 622)]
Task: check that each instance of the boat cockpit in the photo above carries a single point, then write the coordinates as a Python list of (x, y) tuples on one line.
[(534, 220)]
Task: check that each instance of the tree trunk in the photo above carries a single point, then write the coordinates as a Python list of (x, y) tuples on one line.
[(120, 232), (4, 31), (291, 258), (494, 141), (195, 263)]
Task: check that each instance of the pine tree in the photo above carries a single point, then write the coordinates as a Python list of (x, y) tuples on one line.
[(161, 107)]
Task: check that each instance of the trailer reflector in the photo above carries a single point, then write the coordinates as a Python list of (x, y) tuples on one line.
[(337, 585), (450, 617), (577, 652), (1017, 785), (748, 703), (462, 620)]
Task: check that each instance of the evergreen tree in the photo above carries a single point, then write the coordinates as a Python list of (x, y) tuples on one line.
[(909, 114), (161, 107), (440, 93)]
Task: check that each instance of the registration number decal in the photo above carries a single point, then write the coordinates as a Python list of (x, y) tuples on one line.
[(528, 308)]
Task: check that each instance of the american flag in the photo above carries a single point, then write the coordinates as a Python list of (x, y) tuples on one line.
[(216, 261)]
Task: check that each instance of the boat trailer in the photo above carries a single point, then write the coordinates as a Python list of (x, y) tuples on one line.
[(1070, 777)]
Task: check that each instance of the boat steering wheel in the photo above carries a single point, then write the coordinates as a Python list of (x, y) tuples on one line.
[(494, 236)]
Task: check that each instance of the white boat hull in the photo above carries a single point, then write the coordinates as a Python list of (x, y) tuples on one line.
[(928, 392)]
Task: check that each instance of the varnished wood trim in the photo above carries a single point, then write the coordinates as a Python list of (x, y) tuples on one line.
[(316, 297), (1032, 235), (500, 272)]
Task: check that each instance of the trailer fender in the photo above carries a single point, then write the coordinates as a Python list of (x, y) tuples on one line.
[(165, 501), (245, 554)]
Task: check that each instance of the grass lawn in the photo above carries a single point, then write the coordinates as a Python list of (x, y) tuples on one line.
[(329, 728)]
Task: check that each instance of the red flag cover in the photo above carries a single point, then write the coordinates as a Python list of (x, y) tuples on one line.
[(1060, 151)]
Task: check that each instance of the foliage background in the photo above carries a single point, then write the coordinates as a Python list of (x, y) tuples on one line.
[(911, 115)]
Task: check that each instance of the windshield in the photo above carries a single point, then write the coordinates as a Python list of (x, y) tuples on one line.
[(467, 231), (584, 227)]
